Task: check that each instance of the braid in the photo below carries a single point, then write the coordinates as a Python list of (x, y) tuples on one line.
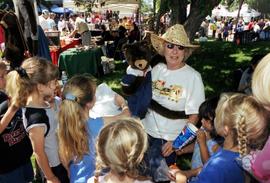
[(97, 171), (242, 136)]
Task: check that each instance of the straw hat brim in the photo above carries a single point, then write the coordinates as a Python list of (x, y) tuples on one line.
[(158, 44)]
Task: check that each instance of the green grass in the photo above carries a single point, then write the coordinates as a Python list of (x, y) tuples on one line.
[(215, 60)]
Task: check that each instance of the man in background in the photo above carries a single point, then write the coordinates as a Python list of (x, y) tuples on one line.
[(81, 27)]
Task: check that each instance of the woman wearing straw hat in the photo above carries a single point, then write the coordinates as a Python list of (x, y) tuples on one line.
[(178, 91)]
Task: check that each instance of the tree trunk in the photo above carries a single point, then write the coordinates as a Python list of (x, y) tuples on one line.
[(179, 11), (151, 22), (162, 10), (199, 9), (239, 9)]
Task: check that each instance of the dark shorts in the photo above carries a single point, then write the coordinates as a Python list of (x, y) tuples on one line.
[(157, 165), (22, 174), (61, 173)]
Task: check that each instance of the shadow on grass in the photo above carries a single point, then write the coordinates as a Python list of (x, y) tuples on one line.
[(218, 61)]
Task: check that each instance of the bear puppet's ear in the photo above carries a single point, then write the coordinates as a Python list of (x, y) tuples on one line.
[(141, 64)]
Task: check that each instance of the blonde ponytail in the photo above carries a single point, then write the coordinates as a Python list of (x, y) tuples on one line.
[(73, 136)]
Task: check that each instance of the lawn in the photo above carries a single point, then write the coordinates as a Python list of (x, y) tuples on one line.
[(216, 61)]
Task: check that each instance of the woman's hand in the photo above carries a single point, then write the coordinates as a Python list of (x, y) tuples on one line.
[(53, 179), (201, 136), (179, 152), (125, 111), (167, 149), (177, 175)]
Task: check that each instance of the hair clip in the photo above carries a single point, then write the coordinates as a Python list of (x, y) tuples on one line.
[(71, 97), (22, 72)]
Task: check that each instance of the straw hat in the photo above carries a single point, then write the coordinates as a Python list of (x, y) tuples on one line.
[(177, 35)]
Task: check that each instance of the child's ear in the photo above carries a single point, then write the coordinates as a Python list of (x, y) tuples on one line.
[(40, 87), (91, 104), (226, 130)]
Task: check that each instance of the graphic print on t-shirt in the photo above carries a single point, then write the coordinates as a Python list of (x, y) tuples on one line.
[(173, 92)]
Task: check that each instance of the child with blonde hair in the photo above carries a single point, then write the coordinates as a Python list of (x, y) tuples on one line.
[(121, 146), (16, 149), (30, 86), (77, 132), (242, 121), (260, 87)]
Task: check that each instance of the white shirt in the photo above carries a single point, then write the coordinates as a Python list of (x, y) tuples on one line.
[(61, 25), (105, 102), (177, 90), (51, 24), (43, 23)]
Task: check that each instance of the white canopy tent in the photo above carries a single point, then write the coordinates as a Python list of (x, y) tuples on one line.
[(127, 10), (246, 12), (125, 7), (219, 11)]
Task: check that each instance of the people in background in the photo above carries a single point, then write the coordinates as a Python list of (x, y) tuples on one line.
[(81, 28), (51, 22), (43, 20), (245, 81), (134, 33)]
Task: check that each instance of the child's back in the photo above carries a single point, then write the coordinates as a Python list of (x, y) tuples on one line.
[(224, 161)]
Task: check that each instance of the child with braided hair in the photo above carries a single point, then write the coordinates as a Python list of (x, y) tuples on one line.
[(121, 146), (242, 121)]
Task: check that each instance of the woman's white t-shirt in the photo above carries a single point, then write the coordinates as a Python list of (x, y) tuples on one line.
[(177, 90)]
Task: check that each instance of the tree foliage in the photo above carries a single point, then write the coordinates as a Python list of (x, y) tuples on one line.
[(145, 8), (87, 4), (199, 9), (262, 6)]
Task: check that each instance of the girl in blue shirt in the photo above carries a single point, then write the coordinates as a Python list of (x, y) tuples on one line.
[(242, 121), (207, 142), (77, 132)]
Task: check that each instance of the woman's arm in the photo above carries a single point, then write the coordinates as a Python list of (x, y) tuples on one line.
[(36, 135), (125, 113), (121, 102), (193, 118), (187, 149)]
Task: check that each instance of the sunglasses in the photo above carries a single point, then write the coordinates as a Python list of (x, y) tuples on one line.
[(171, 46)]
